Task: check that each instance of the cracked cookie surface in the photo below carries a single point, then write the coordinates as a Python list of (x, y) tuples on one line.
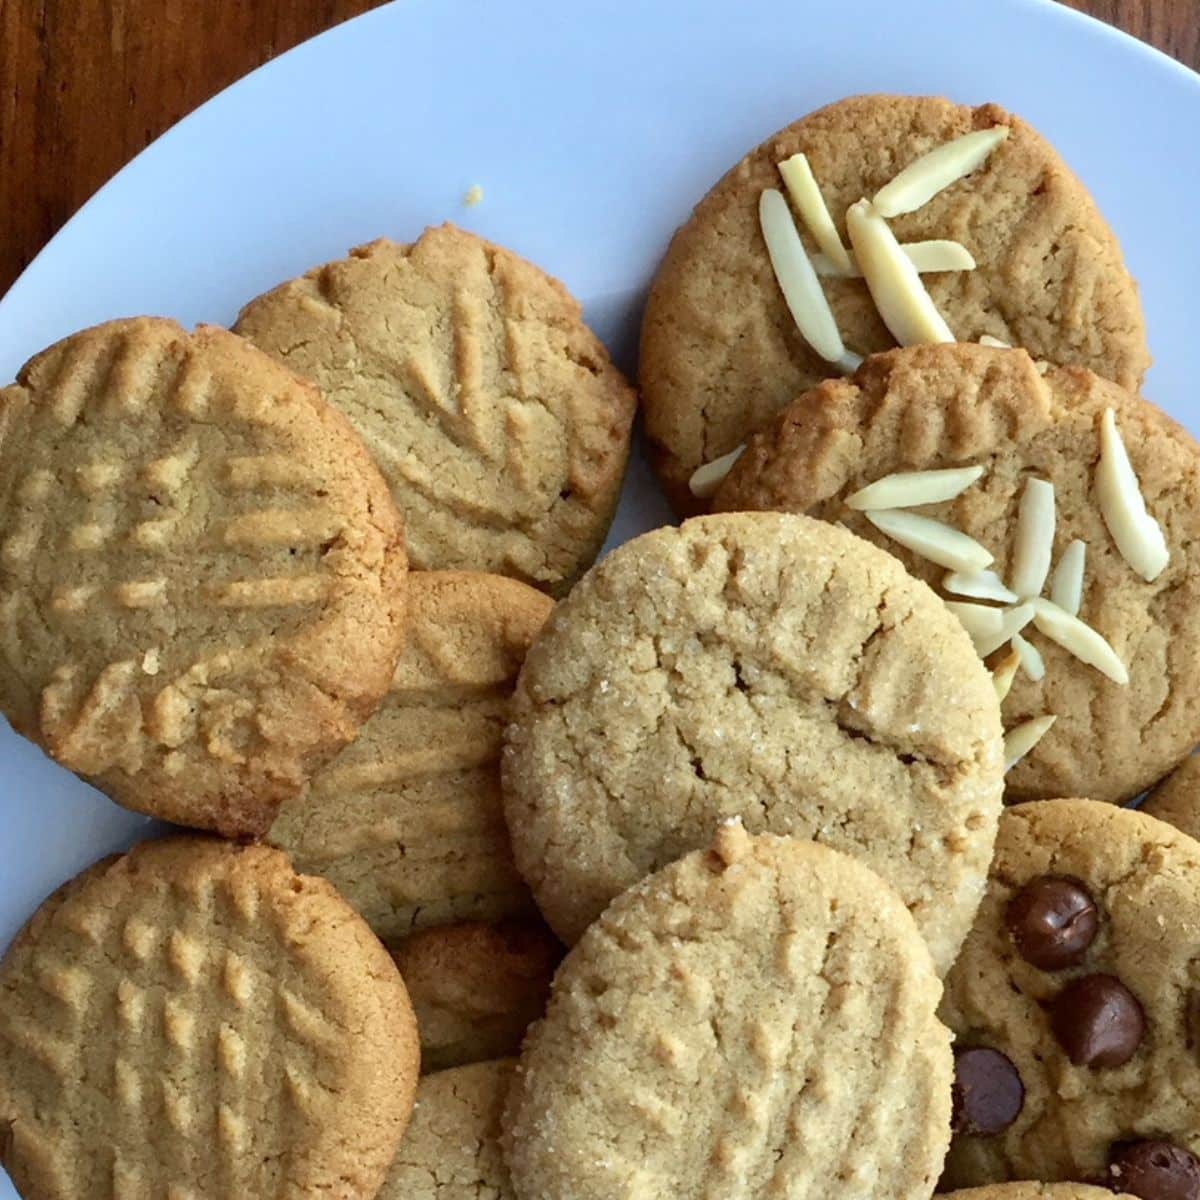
[(720, 351), (757, 1019), (761, 666), (494, 413), (201, 571)]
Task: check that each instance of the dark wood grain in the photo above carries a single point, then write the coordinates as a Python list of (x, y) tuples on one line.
[(86, 84)]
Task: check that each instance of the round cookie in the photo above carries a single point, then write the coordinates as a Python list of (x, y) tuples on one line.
[(195, 1019), (201, 571), (720, 351), (760, 666), (476, 988), (1104, 1035), (1034, 1191), (407, 823), (452, 1148), (932, 407), (495, 414), (1176, 799), (756, 1019)]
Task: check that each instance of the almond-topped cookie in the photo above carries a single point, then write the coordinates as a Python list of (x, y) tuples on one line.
[(1056, 513), (753, 304)]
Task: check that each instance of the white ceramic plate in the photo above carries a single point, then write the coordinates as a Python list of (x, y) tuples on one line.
[(592, 127)]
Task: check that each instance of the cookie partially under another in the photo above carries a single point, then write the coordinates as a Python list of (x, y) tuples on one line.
[(195, 1019), (494, 413), (755, 1019), (1176, 799)]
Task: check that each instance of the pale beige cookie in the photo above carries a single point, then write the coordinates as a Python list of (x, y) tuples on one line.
[(494, 413), (1176, 799), (934, 407), (195, 1019), (452, 1148), (407, 823), (759, 666), (476, 987), (753, 1020), (1078, 991), (721, 352), (1033, 1191), (201, 571)]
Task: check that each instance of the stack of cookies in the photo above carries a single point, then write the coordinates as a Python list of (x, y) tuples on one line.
[(699, 883)]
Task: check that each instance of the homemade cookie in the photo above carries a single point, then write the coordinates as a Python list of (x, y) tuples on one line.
[(933, 407), (201, 571), (476, 987), (759, 666), (1076, 1005), (452, 1148), (756, 1019), (195, 1019), (720, 350), (493, 411), (1176, 799), (408, 822), (1033, 1191)]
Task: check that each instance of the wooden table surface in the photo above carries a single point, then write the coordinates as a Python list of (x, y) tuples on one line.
[(86, 84)]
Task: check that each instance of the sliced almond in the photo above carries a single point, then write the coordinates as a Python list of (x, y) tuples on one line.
[(928, 257), (1019, 740), (850, 362), (797, 280), (921, 180), (1080, 639), (994, 342), (983, 585), (905, 306), (907, 489), (806, 196), (1032, 662), (708, 478), (1033, 545), (1138, 535), (1066, 584), (1011, 623), (940, 543), (980, 621), (1004, 674)]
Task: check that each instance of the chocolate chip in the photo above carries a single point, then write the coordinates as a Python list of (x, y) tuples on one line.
[(1154, 1171), (988, 1093), (1053, 921), (1098, 1021)]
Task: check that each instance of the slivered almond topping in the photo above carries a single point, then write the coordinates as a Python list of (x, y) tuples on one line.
[(922, 179), (983, 585), (1034, 543), (1032, 662), (906, 489), (994, 342), (928, 257), (806, 196), (1005, 673), (1079, 639), (850, 362), (1138, 536), (896, 288), (980, 621), (797, 280), (1012, 622), (708, 478), (1066, 584), (942, 544), (1019, 740)]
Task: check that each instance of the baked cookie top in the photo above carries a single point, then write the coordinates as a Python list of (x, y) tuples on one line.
[(760, 666), (1078, 991), (755, 1019), (720, 351), (407, 822), (1176, 799), (195, 1019), (494, 413), (201, 571), (937, 407)]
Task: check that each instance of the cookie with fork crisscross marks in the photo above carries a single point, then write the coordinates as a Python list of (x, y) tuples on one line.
[(754, 1020), (194, 1020), (492, 410), (201, 571), (407, 822)]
